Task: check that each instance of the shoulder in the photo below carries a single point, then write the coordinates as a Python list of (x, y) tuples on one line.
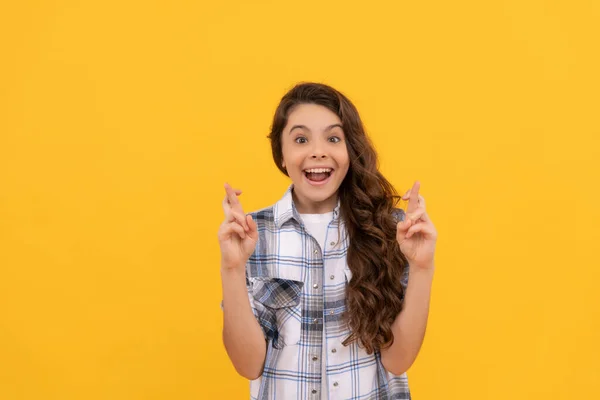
[(264, 216), (398, 214)]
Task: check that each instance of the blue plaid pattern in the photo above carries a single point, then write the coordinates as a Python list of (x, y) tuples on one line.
[(297, 292)]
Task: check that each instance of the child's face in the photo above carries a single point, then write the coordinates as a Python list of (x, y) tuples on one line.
[(315, 156)]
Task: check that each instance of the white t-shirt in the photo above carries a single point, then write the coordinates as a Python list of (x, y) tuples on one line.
[(316, 225)]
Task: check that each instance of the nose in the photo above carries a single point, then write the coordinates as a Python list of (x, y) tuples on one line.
[(318, 152)]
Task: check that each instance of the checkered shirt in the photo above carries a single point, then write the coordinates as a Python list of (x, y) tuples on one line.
[(297, 292)]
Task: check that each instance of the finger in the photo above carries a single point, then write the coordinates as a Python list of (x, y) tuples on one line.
[(425, 217), (235, 227), (226, 203), (226, 199), (404, 200), (413, 201), (417, 214), (234, 203), (236, 191), (232, 195), (239, 218), (420, 227), (226, 209), (232, 215), (402, 229), (228, 229), (402, 226)]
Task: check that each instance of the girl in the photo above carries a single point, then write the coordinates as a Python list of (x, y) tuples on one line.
[(317, 299)]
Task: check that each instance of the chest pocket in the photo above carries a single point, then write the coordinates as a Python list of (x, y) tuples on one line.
[(278, 302)]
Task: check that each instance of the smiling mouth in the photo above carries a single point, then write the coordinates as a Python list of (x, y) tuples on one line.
[(317, 174)]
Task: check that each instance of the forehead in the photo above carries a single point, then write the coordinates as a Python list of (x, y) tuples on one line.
[(312, 116)]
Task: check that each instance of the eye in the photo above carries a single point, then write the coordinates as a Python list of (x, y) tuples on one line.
[(300, 140), (334, 139)]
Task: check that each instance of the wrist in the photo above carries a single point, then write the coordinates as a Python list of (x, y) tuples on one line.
[(232, 272), (428, 268)]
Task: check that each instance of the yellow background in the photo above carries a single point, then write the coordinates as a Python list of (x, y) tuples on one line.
[(120, 122)]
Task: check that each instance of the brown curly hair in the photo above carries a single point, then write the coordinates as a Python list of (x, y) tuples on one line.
[(374, 295)]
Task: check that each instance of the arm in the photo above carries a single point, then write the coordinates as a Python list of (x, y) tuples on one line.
[(242, 335), (416, 236), (410, 324)]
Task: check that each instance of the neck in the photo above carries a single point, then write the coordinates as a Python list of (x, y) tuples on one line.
[(305, 206)]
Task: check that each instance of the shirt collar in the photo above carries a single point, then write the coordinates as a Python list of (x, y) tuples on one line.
[(285, 209)]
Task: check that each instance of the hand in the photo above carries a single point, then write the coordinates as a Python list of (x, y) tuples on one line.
[(416, 235), (238, 233)]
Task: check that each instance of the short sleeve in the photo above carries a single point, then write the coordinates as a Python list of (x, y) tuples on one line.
[(260, 312), (398, 214), (263, 316)]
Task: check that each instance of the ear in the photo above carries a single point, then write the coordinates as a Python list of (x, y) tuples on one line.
[(283, 163)]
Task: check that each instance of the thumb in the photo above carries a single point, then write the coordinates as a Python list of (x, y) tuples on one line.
[(253, 228)]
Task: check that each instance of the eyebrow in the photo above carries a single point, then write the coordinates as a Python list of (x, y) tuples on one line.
[(330, 127)]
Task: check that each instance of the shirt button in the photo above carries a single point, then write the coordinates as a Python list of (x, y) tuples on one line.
[(315, 358), (331, 312), (331, 277), (333, 350), (316, 320), (316, 252), (335, 384), (314, 391), (315, 286), (332, 243)]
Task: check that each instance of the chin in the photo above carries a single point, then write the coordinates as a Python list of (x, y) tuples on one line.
[(319, 199), (318, 195)]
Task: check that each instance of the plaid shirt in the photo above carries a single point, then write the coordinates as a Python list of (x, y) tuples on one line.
[(297, 292)]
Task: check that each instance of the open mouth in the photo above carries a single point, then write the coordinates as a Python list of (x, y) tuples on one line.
[(317, 175)]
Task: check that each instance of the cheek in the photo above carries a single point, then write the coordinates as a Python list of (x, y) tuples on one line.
[(286, 155), (342, 158), (344, 171), (292, 157), (344, 163)]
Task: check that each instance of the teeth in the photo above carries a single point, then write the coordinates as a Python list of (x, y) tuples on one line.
[(318, 170)]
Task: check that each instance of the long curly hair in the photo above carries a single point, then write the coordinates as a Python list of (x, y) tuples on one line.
[(374, 295)]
